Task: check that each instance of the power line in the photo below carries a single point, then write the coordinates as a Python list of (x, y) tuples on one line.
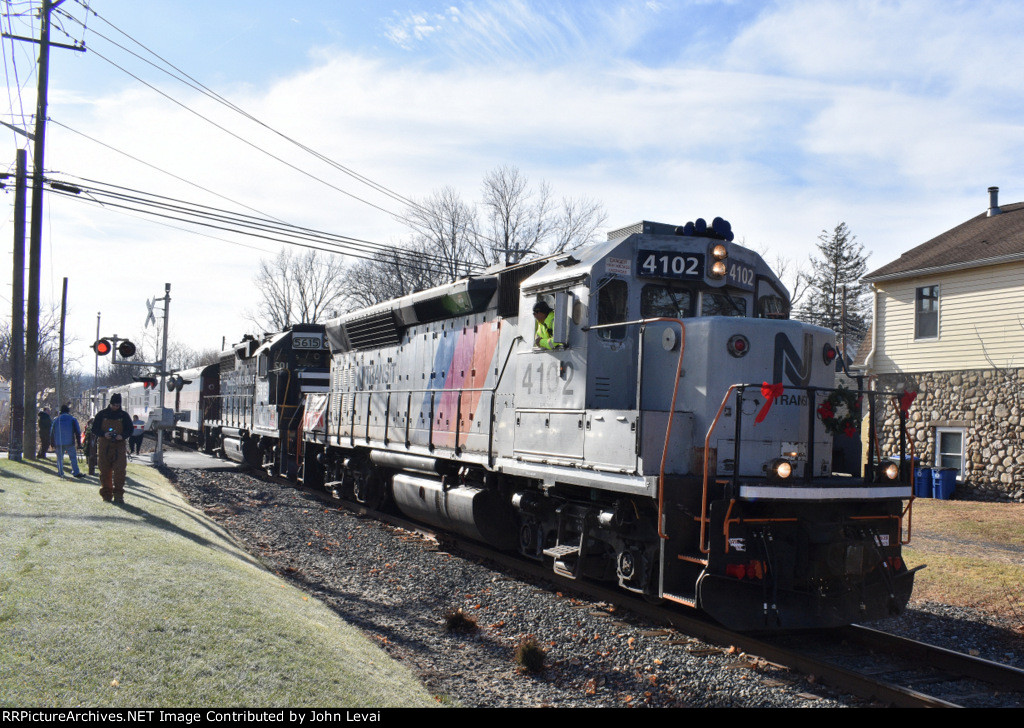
[(161, 170), (108, 195), (196, 85), (249, 221), (191, 82)]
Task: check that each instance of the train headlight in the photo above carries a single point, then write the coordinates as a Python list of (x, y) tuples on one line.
[(891, 471), (718, 253), (780, 470)]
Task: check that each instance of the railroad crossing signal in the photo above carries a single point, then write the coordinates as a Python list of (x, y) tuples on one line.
[(148, 382), (126, 349), (102, 347)]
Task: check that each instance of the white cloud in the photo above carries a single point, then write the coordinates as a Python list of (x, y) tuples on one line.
[(783, 138)]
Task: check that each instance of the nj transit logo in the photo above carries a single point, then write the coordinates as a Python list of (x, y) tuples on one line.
[(797, 368)]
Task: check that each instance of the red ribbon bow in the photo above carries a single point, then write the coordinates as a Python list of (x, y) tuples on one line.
[(770, 391), (905, 400)]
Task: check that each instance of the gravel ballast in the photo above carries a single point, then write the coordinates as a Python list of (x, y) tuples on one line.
[(398, 588)]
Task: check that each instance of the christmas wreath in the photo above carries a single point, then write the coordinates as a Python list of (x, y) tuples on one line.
[(840, 412)]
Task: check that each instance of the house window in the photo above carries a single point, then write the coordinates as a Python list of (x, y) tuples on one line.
[(927, 313), (949, 449)]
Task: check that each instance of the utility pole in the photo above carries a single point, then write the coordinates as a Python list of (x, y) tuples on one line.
[(18, 312), (36, 232), (95, 372), (60, 364)]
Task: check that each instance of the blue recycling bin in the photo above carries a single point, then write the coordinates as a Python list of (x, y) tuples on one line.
[(923, 483), (943, 483)]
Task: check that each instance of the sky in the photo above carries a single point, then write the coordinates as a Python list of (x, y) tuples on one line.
[(783, 117)]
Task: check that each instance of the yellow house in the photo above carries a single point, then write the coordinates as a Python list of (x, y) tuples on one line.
[(949, 323)]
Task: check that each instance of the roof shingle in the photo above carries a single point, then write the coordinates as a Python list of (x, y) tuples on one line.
[(972, 243)]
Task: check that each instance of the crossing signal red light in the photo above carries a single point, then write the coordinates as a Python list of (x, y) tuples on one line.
[(126, 349), (102, 347), (147, 382)]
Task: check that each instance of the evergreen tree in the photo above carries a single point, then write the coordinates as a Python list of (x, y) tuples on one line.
[(840, 262)]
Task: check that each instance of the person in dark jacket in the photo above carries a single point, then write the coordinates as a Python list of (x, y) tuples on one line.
[(135, 441), (45, 423), (66, 435), (112, 427)]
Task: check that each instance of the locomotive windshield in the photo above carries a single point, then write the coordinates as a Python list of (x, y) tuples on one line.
[(720, 303), (669, 300)]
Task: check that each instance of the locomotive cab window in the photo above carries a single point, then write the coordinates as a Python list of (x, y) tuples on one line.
[(611, 308), (770, 302), (666, 301), (553, 316)]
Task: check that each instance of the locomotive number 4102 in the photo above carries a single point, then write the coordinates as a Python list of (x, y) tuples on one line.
[(666, 264)]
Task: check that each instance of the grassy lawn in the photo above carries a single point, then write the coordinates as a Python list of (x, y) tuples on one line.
[(974, 552), (150, 604)]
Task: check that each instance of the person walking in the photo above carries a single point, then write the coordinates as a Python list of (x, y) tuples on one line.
[(90, 447), (45, 423), (138, 430), (111, 427), (66, 435)]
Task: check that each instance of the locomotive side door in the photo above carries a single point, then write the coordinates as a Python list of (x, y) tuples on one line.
[(549, 386)]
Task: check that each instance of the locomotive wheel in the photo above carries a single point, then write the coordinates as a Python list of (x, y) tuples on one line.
[(312, 469), (251, 452), (369, 486)]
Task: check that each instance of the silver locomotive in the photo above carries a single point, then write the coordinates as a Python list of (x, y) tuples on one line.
[(676, 438)]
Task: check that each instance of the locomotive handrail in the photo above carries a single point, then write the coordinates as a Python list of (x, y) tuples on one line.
[(672, 407), (704, 497), (705, 546), (434, 391)]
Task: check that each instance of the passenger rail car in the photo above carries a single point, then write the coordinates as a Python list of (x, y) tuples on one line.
[(254, 415), (136, 399), (677, 438), (192, 395)]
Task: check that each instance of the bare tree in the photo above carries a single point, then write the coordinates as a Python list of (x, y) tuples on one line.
[(49, 359), (794, 277), (298, 288), (397, 273), (577, 223), (521, 221), (446, 227), (517, 219)]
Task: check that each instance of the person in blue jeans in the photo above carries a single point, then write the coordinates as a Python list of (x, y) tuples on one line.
[(66, 434)]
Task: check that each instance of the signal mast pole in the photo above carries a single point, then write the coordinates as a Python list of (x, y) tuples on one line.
[(158, 454)]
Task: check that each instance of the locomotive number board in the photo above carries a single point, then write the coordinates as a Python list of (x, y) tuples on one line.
[(670, 264), (689, 266), (308, 342)]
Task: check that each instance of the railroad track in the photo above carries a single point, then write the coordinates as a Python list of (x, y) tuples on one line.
[(859, 661)]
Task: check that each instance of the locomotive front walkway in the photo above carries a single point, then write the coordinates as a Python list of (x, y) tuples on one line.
[(150, 604)]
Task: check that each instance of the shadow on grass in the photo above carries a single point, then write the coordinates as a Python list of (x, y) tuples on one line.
[(43, 466), (135, 489), (164, 524)]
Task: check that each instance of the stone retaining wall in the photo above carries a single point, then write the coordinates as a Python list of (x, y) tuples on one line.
[(987, 404)]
